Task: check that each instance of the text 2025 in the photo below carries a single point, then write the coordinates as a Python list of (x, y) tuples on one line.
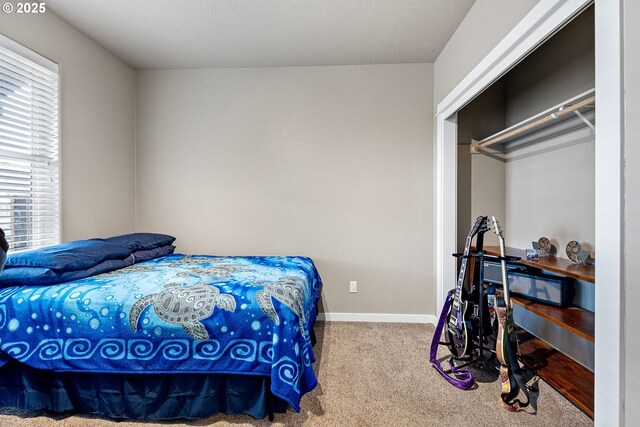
[(31, 7)]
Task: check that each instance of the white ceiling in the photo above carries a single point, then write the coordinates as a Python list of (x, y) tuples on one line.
[(163, 34)]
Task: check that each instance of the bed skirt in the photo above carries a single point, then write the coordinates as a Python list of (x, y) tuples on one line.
[(137, 396)]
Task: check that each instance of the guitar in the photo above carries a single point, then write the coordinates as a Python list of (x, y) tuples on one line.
[(511, 377), (459, 323), (506, 333)]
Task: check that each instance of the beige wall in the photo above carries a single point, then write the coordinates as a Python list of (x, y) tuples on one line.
[(481, 30), (485, 192), (552, 193), (330, 162), (563, 67), (97, 125), (632, 207), (550, 186)]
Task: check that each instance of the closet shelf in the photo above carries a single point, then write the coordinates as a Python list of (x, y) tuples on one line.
[(585, 272), (569, 115), (574, 319), (571, 379)]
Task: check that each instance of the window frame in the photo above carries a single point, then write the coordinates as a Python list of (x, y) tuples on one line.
[(49, 65)]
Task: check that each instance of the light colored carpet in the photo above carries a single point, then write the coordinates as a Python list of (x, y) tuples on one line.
[(370, 374)]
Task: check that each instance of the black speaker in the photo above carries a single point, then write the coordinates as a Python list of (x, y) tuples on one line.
[(531, 283)]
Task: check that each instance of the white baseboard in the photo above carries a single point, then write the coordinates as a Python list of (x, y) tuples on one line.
[(377, 317)]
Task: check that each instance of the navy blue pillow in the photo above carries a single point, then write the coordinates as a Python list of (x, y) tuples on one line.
[(40, 276), (78, 255), (142, 241), (149, 254)]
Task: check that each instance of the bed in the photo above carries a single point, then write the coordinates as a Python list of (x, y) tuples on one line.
[(177, 336)]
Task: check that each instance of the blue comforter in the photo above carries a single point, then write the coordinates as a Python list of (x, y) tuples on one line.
[(175, 314)]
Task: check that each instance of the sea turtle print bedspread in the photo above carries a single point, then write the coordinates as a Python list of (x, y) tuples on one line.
[(175, 314)]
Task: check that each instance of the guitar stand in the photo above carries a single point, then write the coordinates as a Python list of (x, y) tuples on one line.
[(477, 355)]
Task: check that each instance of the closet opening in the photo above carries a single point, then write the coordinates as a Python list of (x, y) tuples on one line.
[(526, 153)]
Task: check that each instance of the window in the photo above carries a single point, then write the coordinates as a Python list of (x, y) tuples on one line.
[(29, 182)]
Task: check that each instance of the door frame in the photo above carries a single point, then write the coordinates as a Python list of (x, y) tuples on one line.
[(544, 20)]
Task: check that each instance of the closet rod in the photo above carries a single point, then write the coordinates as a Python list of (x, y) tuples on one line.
[(562, 111)]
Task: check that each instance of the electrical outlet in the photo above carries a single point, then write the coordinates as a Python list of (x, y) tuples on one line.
[(353, 286)]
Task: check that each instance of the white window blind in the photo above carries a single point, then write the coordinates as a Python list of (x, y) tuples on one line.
[(29, 181)]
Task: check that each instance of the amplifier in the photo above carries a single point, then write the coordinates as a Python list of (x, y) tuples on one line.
[(532, 284)]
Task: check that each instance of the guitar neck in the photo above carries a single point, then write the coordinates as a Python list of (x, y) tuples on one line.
[(463, 266), (503, 264), (475, 279)]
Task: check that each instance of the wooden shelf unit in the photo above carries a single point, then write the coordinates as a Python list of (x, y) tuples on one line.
[(564, 374), (568, 377)]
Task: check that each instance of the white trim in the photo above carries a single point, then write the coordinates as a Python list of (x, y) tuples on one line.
[(61, 231), (446, 207), (377, 317), (25, 52), (543, 21), (610, 327)]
